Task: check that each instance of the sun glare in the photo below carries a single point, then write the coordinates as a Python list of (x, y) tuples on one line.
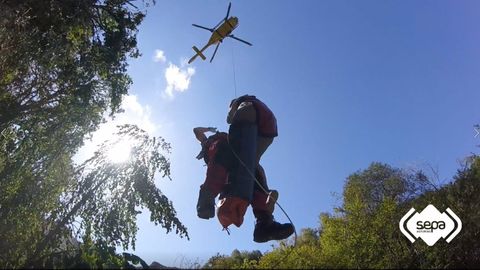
[(120, 152)]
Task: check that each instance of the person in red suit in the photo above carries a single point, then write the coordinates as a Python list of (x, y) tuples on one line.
[(253, 127), (218, 157)]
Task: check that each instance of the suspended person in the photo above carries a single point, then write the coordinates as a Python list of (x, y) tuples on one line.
[(253, 128), (219, 159), (215, 152)]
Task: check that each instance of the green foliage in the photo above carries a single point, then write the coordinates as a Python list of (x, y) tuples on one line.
[(98, 254), (62, 68), (236, 260), (364, 232), (106, 196), (304, 253), (102, 201), (300, 256), (461, 195)]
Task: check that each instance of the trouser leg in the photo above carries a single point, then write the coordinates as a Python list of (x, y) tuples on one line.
[(263, 198), (216, 178), (246, 114), (215, 181), (242, 137), (238, 193), (262, 144)]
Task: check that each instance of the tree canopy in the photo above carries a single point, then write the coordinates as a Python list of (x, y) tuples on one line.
[(363, 232), (63, 70)]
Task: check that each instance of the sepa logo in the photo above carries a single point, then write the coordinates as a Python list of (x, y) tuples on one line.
[(430, 225)]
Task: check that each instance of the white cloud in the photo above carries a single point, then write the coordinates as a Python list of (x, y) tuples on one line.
[(134, 113), (159, 56), (178, 78), (137, 114)]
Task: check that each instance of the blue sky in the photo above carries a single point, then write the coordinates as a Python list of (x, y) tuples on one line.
[(351, 82)]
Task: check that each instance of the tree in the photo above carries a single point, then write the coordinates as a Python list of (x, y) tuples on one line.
[(62, 68), (460, 195), (105, 197), (305, 253), (62, 65), (58, 53), (236, 260), (364, 233)]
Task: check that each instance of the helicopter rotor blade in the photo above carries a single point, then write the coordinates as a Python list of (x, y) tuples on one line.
[(228, 10), (216, 48), (215, 27), (203, 27), (226, 17), (239, 39)]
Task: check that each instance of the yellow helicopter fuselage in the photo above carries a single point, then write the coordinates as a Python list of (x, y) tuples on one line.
[(223, 31), (218, 34)]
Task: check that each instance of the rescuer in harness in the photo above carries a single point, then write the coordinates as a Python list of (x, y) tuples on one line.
[(252, 129), (218, 156)]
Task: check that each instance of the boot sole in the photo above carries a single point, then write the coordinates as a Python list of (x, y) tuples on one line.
[(283, 236)]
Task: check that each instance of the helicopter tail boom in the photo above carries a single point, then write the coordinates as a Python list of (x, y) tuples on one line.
[(199, 52)]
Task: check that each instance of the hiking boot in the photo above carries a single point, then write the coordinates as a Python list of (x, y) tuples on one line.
[(266, 230), (205, 204)]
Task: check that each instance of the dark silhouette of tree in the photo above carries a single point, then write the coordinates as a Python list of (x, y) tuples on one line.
[(62, 69)]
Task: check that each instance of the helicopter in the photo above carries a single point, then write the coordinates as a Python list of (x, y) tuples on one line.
[(222, 30)]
